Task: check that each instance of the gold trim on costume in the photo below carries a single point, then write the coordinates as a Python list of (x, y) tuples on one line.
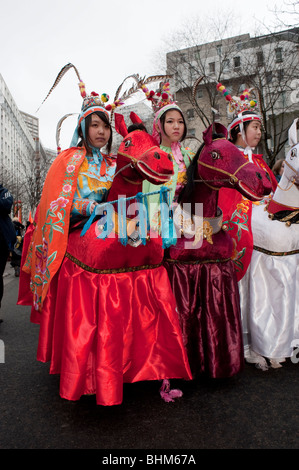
[(275, 253), (110, 271), (197, 261)]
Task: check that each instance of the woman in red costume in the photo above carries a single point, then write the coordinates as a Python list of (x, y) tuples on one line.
[(245, 132), (89, 330)]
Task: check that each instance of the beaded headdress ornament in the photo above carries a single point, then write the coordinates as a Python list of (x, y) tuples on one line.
[(237, 105)]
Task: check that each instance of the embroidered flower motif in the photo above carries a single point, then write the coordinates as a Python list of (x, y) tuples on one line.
[(77, 156), (243, 207), (70, 168), (36, 300), (42, 257), (58, 203), (66, 188)]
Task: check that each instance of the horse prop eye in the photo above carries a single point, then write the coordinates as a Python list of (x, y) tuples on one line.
[(157, 155), (293, 153), (169, 157), (128, 143), (215, 155)]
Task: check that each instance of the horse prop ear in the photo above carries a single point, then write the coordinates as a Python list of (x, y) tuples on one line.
[(120, 125), (220, 129), (207, 135), (217, 128), (135, 119), (293, 140)]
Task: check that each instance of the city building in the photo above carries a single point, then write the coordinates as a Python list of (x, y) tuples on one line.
[(23, 160), (268, 65)]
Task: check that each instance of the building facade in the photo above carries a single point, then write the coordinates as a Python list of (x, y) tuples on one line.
[(268, 65), (23, 160)]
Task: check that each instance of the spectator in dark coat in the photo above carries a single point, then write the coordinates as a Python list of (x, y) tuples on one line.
[(7, 232)]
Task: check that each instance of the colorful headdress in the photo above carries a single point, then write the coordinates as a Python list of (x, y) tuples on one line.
[(91, 103), (162, 101), (236, 107)]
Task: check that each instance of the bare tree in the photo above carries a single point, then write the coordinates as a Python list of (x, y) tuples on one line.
[(194, 58), (288, 14), (26, 180), (269, 64)]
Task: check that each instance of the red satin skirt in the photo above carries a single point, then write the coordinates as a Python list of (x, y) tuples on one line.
[(101, 330), (208, 306)]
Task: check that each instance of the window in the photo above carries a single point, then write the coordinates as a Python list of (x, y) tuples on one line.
[(190, 113), (212, 67), (280, 74), (200, 93), (219, 49), (237, 61), (239, 44), (283, 99), (226, 64), (260, 58), (278, 54), (191, 132)]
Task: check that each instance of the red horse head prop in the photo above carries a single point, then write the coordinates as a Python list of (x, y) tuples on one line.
[(221, 164), (138, 157)]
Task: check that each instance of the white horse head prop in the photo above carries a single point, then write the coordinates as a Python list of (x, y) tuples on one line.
[(287, 192)]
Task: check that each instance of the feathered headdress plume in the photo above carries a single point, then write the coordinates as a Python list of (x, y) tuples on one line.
[(89, 101), (59, 77)]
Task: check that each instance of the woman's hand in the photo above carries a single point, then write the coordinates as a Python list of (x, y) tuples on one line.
[(92, 206)]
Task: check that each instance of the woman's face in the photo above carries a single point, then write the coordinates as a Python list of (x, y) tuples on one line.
[(98, 132), (281, 169), (174, 128), (253, 133)]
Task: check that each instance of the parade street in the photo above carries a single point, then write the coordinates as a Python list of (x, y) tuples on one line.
[(256, 410)]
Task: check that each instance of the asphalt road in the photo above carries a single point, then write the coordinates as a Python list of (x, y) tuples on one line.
[(256, 410)]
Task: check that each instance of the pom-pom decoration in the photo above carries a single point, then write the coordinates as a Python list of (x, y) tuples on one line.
[(237, 104), (105, 97), (224, 91), (82, 89)]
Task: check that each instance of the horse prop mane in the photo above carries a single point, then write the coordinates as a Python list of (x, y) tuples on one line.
[(200, 266)]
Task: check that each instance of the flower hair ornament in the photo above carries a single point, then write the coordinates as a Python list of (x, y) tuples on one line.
[(237, 105)]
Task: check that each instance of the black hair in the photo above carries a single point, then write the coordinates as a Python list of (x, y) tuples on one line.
[(139, 126), (103, 116), (235, 130), (163, 117)]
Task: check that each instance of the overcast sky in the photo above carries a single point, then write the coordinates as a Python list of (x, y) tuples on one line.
[(105, 40)]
